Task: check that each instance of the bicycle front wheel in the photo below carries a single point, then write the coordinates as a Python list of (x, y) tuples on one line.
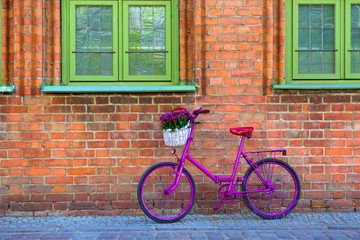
[(161, 207), (284, 194)]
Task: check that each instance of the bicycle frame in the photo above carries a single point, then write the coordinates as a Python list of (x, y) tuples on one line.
[(221, 179)]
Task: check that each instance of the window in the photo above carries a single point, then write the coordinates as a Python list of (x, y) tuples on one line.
[(323, 41), (120, 42)]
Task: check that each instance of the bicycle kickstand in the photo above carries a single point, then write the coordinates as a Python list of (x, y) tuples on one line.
[(218, 206)]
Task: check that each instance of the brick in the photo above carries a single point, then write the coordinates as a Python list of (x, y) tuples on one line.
[(82, 205), (38, 189), (81, 171), (82, 188), (79, 135), (79, 100), (59, 197), (59, 180), (36, 154), (37, 206), (57, 109), (101, 109)]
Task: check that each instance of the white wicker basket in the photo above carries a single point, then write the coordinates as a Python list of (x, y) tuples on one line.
[(177, 138)]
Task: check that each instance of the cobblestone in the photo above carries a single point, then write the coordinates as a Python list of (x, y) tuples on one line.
[(307, 226)]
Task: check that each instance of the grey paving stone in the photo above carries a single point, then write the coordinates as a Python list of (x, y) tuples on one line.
[(251, 234), (108, 236), (268, 235), (234, 235), (336, 235), (317, 235), (300, 235), (197, 235), (164, 235), (128, 235), (214, 235), (284, 235), (351, 234)]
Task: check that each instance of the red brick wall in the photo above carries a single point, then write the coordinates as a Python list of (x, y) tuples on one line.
[(78, 154)]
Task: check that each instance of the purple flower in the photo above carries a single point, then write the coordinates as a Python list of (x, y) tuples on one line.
[(175, 119)]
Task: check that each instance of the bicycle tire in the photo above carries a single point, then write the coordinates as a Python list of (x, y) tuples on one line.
[(256, 203), (155, 203)]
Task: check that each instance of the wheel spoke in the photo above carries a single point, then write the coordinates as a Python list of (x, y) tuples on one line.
[(284, 190)]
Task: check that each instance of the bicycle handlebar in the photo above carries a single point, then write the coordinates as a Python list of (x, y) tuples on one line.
[(204, 111), (199, 111)]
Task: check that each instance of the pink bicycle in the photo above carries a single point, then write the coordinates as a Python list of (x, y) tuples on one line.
[(270, 187)]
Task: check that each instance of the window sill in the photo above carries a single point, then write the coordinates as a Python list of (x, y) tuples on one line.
[(317, 86), (7, 89), (117, 88)]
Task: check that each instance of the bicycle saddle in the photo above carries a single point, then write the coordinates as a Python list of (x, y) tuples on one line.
[(241, 131)]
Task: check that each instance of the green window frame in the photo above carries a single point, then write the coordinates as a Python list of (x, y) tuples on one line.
[(121, 52), (314, 52), (76, 51), (343, 49), (130, 52)]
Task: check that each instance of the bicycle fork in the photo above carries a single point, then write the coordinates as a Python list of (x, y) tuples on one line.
[(179, 171)]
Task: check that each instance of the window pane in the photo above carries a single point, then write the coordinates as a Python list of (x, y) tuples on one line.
[(159, 17), (94, 36), (134, 64), (304, 60), (159, 64), (328, 36), (81, 40), (355, 38), (94, 40), (304, 13), (329, 62), (159, 40), (316, 15), (134, 40), (147, 30), (147, 17), (355, 62), (106, 64), (316, 39), (134, 17), (94, 64), (106, 40), (304, 35), (94, 17), (81, 64), (316, 63), (355, 15), (106, 17), (329, 20), (81, 17), (147, 64), (147, 40)]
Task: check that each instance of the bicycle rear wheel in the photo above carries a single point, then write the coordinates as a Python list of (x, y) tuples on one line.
[(161, 207), (277, 202)]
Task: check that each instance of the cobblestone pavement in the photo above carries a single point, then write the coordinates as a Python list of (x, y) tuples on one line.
[(305, 226)]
